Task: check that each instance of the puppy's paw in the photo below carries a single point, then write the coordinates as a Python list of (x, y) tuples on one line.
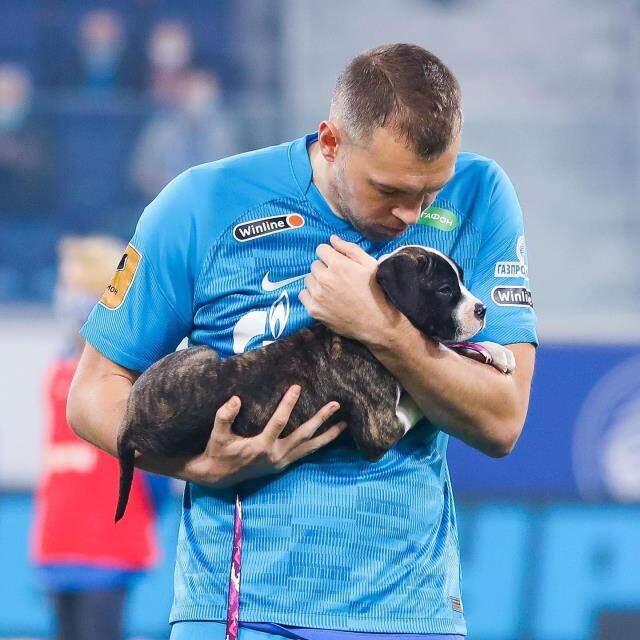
[(502, 358)]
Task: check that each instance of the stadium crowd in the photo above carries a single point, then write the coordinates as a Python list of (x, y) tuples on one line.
[(97, 114)]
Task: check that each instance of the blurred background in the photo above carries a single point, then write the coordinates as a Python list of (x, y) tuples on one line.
[(101, 104)]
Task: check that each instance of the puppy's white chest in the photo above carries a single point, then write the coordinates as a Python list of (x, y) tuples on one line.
[(407, 411)]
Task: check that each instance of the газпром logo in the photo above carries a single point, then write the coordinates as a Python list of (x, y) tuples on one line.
[(265, 226), (508, 269)]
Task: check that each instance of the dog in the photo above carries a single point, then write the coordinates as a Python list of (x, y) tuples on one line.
[(170, 407)]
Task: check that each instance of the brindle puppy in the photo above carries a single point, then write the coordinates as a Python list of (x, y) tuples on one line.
[(170, 409)]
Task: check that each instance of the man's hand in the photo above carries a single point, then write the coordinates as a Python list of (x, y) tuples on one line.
[(229, 459), (342, 292)]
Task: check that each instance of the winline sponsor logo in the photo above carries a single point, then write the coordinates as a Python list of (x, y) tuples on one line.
[(266, 226), (512, 296)]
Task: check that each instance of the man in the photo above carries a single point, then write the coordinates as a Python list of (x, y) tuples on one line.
[(331, 542)]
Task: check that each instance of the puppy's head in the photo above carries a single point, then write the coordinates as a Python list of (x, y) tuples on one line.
[(427, 287)]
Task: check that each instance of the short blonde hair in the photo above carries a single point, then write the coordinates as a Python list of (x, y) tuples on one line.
[(89, 262)]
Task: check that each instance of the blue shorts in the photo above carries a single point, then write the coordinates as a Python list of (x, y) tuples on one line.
[(211, 630), (216, 631)]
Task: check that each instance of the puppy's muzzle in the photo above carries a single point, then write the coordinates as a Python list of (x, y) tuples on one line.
[(480, 311)]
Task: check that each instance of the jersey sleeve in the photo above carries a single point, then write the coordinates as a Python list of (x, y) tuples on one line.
[(501, 275), (146, 309)]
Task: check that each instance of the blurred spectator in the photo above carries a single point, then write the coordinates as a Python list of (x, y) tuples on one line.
[(197, 130), (100, 60), (26, 172), (170, 53), (85, 561), (103, 54)]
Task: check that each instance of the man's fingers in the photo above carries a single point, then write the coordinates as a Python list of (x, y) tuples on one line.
[(306, 430), (311, 285), (341, 249), (318, 269), (279, 419), (328, 254), (351, 250), (318, 442), (224, 418)]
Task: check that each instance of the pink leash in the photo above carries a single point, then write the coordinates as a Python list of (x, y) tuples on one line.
[(472, 347), (233, 601)]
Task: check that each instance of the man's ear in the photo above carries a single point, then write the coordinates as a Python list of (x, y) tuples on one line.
[(329, 139), (398, 277)]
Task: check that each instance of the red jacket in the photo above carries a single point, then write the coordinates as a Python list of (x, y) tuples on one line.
[(77, 493)]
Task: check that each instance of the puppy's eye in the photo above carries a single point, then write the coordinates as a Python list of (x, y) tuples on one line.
[(445, 291)]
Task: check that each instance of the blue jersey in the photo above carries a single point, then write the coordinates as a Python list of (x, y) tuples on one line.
[(334, 541)]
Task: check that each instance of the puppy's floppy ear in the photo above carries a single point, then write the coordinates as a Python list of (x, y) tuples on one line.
[(398, 277)]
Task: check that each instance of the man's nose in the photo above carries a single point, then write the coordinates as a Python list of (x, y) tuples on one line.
[(408, 215)]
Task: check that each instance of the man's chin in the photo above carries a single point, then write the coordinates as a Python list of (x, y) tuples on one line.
[(374, 232), (379, 233)]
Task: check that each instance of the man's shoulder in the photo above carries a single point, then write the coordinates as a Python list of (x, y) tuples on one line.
[(250, 176), (475, 167), (475, 188), (204, 201), (474, 182)]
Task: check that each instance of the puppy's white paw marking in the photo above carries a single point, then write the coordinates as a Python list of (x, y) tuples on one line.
[(503, 358), (407, 411)]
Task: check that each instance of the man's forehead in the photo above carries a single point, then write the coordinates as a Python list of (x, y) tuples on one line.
[(391, 162)]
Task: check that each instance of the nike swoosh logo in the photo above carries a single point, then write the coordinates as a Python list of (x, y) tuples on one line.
[(267, 285)]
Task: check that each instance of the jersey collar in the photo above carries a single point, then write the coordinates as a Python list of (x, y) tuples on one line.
[(303, 174)]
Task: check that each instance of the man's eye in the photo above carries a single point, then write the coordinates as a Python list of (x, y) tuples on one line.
[(445, 291), (387, 192)]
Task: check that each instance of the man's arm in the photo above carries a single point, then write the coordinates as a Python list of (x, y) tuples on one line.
[(97, 402), (472, 401), (98, 399)]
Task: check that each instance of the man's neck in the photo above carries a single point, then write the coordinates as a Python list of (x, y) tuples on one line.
[(320, 178)]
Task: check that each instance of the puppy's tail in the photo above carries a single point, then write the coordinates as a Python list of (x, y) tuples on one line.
[(126, 455)]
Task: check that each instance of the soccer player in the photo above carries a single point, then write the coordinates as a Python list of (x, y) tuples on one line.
[(237, 253)]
